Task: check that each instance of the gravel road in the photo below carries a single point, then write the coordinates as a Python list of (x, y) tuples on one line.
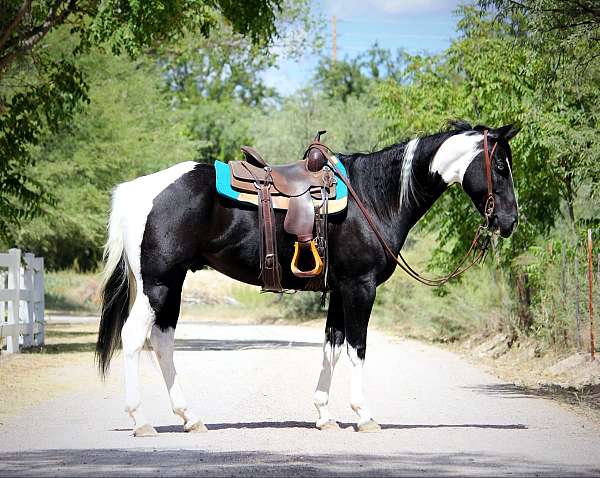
[(253, 387)]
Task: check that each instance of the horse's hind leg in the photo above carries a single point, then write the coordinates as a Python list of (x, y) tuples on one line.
[(332, 347), (133, 336), (163, 342)]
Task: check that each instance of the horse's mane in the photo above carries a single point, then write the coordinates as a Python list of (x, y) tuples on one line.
[(402, 163)]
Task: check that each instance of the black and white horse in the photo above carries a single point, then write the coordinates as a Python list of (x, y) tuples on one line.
[(167, 223)]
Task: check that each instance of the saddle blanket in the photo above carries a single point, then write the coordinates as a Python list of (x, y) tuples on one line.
[(223, 184)]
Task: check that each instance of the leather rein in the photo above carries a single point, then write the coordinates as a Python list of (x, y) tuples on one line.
[(479, 245)]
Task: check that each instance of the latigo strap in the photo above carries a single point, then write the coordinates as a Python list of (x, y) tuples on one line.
[(269, 262)]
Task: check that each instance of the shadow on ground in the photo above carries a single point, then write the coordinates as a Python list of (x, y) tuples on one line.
[(186, 345), (68, 347), (171, 462), (311, 426), (217, 345), (588, 395)]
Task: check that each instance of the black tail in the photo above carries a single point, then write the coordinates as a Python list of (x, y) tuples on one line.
[(115, 308)]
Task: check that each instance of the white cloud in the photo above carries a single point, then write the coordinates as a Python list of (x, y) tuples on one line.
[(385, 8)]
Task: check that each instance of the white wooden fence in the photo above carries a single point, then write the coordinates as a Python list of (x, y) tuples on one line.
[(21, 300)]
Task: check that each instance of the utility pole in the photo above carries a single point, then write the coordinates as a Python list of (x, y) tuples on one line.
[(334, 38)]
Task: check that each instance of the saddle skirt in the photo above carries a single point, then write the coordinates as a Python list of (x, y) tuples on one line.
[(236, 182)]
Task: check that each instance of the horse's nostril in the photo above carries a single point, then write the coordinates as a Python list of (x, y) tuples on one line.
[(514, 224)]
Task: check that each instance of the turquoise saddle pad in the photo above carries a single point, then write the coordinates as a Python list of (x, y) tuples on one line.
[(224, 188)]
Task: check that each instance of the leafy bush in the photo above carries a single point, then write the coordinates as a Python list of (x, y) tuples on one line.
[(302, 306)]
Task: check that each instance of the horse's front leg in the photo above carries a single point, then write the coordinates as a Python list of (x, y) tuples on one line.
[(358, 297), (332, 347)]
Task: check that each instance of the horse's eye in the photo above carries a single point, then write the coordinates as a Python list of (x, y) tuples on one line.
[(500, 165)]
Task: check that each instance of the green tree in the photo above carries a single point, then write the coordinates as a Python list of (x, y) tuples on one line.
[(356, 76), (220, 81), (492, 75), (41, 88), (282, 134), (560, 27), (127, 130)]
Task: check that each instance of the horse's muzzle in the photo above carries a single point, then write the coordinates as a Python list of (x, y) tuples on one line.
[(505, 224)]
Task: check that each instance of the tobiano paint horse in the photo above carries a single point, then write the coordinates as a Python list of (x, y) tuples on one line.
[(165, 224)]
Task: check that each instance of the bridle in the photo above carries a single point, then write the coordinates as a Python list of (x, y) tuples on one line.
[(479, 245), (490, 202)]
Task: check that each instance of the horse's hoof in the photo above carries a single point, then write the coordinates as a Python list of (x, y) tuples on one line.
[(370, 427), (146, 430), (197, 427), (329, 425)]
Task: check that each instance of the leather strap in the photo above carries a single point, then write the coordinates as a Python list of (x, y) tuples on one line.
[(270, 267), (489, 200)]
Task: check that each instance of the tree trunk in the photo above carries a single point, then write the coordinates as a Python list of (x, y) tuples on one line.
[(524, 302)]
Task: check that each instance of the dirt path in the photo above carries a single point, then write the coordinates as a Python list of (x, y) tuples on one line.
[(253, 387)]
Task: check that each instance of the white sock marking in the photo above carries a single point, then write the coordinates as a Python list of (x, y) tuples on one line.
[(163, 344), (357, 399), (134, 335), (331, 354)]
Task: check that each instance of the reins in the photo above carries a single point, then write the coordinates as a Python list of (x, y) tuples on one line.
[(479, 245)]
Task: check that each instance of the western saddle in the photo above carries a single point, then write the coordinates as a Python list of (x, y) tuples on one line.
[(307, 184)]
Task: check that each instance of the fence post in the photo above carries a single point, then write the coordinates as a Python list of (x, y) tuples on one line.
[(30, 299), (14, 282), (38, 295), (3, 278), (578, 338), (590, 277), (563, 271)]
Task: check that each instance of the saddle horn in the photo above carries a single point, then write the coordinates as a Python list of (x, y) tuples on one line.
[(319, 134)]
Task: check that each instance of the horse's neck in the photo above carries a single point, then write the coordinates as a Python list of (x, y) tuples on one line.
[(378, 180), (427, 189)]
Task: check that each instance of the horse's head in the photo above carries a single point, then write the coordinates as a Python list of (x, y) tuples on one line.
[(461, 158), (503, 209)]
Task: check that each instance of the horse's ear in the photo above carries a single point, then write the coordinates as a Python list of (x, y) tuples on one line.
[(506, 132)]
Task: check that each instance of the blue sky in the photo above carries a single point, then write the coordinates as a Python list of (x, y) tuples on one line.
[(417, 26)]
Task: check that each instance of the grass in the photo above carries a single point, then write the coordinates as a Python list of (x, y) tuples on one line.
[(479, 303), (72, 292)]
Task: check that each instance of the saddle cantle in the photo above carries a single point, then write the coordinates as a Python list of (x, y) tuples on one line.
[(308, 190)]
